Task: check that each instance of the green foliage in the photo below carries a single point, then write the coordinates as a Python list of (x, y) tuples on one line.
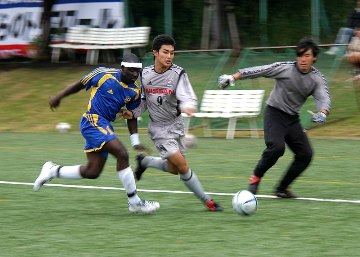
[(288, 21), (187, 20)]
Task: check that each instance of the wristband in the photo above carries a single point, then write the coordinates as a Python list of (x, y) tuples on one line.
[(134, 139)]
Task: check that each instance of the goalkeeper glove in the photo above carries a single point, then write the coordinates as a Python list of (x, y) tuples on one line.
[(225, 81), (319, 117)]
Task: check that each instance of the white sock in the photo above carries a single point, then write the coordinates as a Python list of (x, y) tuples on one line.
[(192, 182), (155, 162), (126, 177), (72, 172)]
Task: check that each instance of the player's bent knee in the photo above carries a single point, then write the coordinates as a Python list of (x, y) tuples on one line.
[(277, 150), (91, 174), (122, 156), (305, 156)]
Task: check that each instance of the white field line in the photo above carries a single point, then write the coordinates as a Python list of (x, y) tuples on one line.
[(176, 192)]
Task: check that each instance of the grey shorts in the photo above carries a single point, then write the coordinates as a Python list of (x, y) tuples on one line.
[(168, 139)]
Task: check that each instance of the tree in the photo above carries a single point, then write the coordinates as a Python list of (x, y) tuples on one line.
[(44, 40)]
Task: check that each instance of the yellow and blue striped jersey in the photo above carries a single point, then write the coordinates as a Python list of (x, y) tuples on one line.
[(108, 94)]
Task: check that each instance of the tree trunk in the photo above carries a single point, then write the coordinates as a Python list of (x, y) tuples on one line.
[(44, 50)]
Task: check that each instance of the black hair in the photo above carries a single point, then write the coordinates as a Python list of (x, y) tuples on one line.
[(162, 40), (305, 44), (130, 57)]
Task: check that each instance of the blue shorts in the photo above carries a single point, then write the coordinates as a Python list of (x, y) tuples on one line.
[(97, 131)]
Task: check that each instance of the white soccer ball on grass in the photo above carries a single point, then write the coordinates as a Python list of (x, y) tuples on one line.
[(63, 127), (244, 203)]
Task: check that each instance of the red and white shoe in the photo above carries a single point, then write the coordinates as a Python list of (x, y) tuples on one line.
[(213, 206), (254, 184)]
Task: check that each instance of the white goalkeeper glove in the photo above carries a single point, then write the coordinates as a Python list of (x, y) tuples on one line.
[(318, 117), (225, 81)]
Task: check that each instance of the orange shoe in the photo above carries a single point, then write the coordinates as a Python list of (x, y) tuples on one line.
[(254, 184), (213, 206)]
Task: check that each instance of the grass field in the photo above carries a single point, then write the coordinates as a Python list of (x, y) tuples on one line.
[(93, 220), (90, 218)]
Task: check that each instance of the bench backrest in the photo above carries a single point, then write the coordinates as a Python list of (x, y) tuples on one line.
[(113, 36), (232, 101)]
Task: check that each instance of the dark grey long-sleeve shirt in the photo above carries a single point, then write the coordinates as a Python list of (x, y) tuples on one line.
[(292, 87)]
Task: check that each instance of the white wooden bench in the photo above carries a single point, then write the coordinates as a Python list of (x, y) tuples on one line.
[(232, 105), (95, 39)]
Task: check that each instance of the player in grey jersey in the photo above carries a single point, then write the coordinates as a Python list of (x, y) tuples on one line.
[(166, 93), (295, 82)]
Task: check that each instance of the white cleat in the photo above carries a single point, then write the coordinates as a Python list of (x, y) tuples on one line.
[(48, 172), (144, 206)]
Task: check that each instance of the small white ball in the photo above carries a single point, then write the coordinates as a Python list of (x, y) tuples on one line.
[(190, 141), (63, 127), (244, 203)]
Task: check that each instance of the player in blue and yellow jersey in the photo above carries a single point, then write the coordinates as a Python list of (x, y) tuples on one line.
[(110, 90)]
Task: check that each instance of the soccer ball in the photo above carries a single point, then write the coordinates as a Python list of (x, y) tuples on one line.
[(190, 141), (63, 127), (244, 203)]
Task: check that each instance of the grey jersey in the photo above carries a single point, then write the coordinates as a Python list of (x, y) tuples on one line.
[(165, 94), (292, 87)]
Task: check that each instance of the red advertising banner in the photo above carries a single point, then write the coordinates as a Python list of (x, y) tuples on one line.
[(20, 21)]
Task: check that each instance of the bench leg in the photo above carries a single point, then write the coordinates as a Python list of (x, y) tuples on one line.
[(206, 127), (88, 56), (231, 128), (92, 56), (55, 55), (95, 57), (253, 128)]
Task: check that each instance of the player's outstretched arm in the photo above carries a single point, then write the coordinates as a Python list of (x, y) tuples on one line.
[(55, 101)]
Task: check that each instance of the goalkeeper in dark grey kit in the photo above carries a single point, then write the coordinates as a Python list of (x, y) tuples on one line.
[(295, 82)]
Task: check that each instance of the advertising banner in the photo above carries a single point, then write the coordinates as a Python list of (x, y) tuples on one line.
[(20, 21)]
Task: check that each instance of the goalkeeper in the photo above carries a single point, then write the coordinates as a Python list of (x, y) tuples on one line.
[(295, 82)]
